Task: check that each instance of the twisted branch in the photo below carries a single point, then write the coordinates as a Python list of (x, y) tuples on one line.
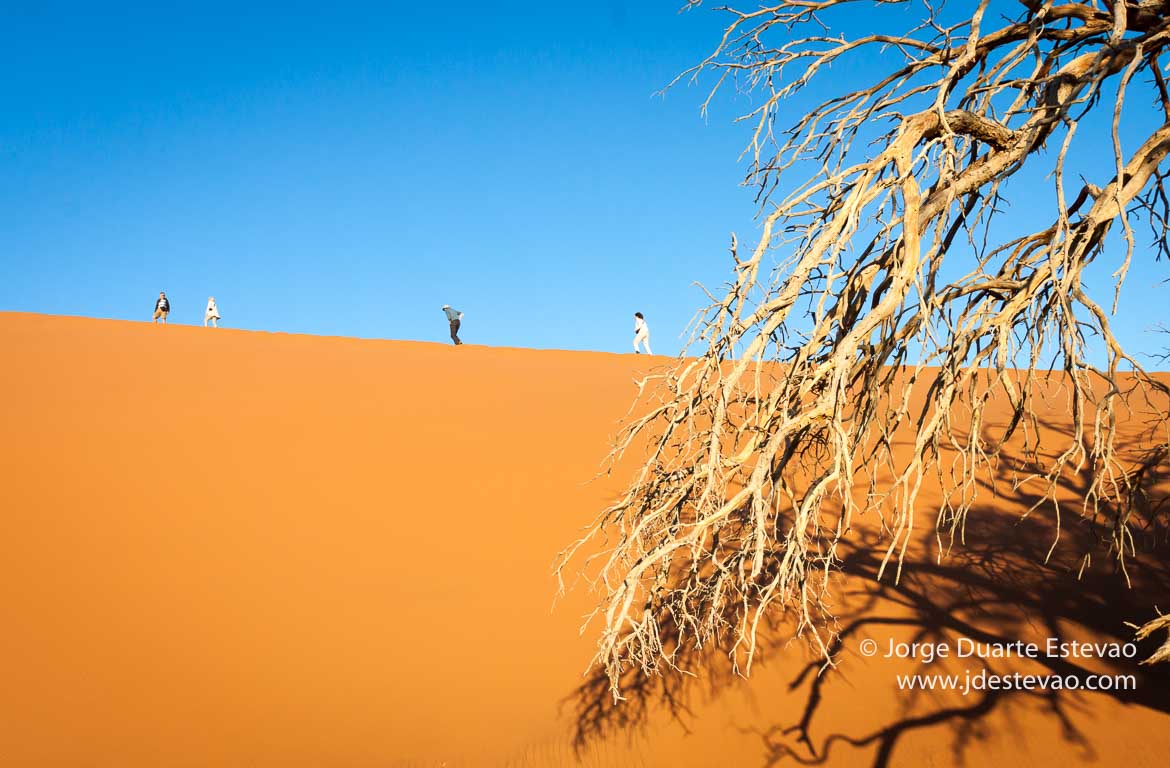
[(842, 331)]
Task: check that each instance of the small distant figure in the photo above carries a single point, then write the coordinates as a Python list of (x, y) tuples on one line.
[(453, 317), (212, 313), (162, 307), (641, 333)]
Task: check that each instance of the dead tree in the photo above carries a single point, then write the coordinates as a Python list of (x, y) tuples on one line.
[(872, 203)]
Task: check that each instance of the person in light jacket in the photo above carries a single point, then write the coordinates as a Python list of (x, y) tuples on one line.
[(162, 307), (212, 313), (453, 318), (641, 333)]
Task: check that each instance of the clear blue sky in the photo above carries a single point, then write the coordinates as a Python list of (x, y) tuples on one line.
[(340, 168)]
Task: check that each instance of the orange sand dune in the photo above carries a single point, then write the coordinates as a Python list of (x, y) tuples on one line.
[(224, 548)]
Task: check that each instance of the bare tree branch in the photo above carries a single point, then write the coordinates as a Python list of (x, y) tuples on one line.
[(808, 362)]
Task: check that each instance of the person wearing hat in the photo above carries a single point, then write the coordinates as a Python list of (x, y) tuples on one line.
[(162, 307), (453, 317)]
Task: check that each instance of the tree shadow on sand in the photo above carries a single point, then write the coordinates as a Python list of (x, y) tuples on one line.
[(995, 587), (995, 590)]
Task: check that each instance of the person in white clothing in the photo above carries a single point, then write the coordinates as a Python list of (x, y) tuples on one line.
[(641, 333), (212, 313)]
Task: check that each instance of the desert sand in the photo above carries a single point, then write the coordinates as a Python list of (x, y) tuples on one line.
[(228, 548)]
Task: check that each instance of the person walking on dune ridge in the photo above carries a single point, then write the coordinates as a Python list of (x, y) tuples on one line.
[(453, 318), (212, 313), (641, 333), (162, 307)]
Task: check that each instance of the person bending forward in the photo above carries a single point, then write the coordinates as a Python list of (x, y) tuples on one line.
[(454, 317)]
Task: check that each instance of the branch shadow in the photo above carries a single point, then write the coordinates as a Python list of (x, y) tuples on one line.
[(995, 589), (1000, 586)]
